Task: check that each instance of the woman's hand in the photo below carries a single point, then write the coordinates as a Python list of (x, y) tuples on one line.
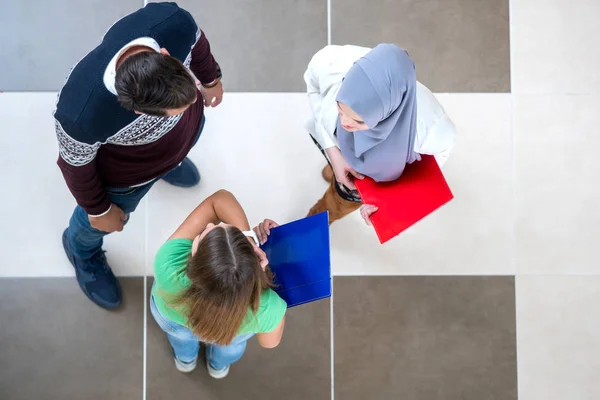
[(366, 210), (263, 230), (344, 173)]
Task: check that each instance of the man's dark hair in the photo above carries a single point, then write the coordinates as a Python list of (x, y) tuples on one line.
[(152, 83)]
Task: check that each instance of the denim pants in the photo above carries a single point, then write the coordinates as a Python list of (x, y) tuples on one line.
[(86, 241), (186, 345)]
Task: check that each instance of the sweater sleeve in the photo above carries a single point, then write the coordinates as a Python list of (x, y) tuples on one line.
[(77, 162), (203, 64)]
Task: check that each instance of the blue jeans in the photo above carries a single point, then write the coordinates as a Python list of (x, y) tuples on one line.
[(186, 345), (86, 241)]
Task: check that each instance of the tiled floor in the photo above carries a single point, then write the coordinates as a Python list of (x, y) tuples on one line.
[(449, 338), (262, 45), (492, 297), (57, 345), (457, 45), (558, 336), (42, 40)]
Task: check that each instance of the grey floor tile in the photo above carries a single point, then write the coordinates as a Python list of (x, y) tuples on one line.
[(262, 45), (450, 338), (299, 368), (56, 344), (457, 45), (41, 40)]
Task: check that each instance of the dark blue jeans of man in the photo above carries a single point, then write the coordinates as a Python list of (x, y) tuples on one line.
[(86, 241)]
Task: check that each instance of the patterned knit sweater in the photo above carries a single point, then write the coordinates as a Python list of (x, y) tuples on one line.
[(103, 145)]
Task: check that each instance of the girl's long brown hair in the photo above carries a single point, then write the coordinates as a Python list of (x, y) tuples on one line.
[(227, 281)]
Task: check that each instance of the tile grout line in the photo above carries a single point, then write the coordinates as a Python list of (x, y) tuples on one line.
[(145, 288), (145, 338), (328, 22), (331, 345), (514, 258), (331, 339), (516, 285), (145, 2)]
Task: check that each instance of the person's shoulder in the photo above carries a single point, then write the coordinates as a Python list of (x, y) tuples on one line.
[(336, 57), (162, 9), (338, 51), (170, 12), (175, 29), (174, 251), (271, 311), (80, 85), (270, 301)]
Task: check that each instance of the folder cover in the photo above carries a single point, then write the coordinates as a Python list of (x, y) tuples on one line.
[(299, 256), (420, 190)]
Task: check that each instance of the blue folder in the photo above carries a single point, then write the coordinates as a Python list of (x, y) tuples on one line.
[(299, 256)]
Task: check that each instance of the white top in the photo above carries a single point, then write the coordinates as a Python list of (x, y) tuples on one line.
[(435, 131)]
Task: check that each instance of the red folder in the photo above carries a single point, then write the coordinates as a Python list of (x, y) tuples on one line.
[(420, 190)]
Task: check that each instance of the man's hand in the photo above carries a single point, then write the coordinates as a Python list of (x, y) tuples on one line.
[(112, 221), (344, 173), (213, 96)]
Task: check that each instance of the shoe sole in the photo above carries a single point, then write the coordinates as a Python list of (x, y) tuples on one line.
[(208, 367), (69, 254), (185, 370)]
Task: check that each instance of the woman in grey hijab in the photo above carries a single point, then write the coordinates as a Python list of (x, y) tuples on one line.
[(380, 89), (375, 123)]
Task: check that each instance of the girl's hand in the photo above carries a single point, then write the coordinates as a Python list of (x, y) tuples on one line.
[(263, 230), (344, 173), (262, 257), (365, 212)]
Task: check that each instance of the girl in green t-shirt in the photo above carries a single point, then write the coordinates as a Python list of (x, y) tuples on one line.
[(213, 285)]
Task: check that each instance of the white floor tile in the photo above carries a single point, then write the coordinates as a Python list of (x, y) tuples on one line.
[(255, 146), (557, 176), (558, 340), (36, 204), (473, 234), (555, 46)]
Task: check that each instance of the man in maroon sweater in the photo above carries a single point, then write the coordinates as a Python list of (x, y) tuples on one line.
[(128, 115)]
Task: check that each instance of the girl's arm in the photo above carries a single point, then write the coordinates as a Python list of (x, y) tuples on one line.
[(222, 206), (271, 339)]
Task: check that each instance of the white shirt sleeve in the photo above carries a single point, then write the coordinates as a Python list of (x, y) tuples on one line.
[(436, 133), (323, 79)]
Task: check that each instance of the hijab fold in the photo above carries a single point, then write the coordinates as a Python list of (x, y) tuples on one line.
[(381, 89)]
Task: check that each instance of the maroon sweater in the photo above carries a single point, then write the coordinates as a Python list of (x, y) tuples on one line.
[(124, 161)]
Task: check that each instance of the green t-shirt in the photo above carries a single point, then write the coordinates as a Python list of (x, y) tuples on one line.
[(170, 279)]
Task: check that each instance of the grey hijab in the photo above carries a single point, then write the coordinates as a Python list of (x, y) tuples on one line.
[(381, 89)]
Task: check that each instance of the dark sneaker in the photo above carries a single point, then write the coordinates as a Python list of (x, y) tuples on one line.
[(186, 175), (95, 277)]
